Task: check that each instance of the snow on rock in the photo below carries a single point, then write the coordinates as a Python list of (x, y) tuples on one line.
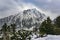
[(27, 18)]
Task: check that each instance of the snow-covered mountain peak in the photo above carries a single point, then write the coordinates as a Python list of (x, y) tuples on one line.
[(27, 18)]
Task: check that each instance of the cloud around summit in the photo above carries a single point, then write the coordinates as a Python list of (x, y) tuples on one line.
[(10, 7)]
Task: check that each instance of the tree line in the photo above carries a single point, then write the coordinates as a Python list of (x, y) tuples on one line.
[(50, 27)]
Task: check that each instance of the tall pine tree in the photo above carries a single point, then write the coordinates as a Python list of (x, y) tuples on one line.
[(49, 26)]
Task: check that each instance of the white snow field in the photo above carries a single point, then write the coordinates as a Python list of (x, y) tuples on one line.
[(48, 37)]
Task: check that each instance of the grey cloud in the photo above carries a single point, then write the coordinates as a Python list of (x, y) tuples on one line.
[(7, 7), (52, 6)]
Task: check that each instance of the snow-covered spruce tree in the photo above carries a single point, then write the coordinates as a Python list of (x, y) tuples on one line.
[(13, 29), (24, 34)]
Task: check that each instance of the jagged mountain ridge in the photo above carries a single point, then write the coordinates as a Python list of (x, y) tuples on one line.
[(28, 18)]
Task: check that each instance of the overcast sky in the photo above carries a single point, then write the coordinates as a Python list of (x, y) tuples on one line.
[(10, 7)]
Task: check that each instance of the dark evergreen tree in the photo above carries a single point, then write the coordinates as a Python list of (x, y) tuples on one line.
[(49, 26), (57, 26), (8, 29), (46, 27), (4, 28), (43, 27), (57, 21)]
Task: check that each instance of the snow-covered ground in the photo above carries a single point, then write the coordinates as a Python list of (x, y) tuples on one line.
[(48, 37)]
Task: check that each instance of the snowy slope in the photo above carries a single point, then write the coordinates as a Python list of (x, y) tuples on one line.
[(48, 37)]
